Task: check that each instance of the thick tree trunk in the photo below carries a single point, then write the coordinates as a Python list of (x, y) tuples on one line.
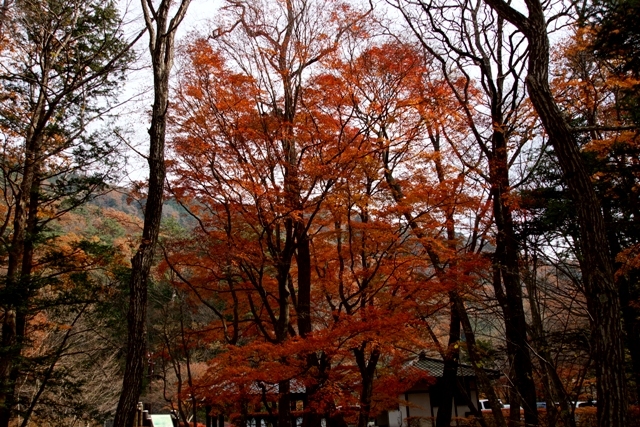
[(602, 295), (628, 284), (631, 316), (601, 292), (17, 278), (506, 263), (303, 308), (25, 293), (284, 403), (141, 265), (13, 330)]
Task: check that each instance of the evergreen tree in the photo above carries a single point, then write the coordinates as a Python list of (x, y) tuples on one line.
[(58, 78)]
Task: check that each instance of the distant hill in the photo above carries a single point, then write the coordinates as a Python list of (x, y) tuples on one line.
[(120, 201)]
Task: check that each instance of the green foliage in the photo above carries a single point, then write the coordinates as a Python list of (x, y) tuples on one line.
[(618, 33), (66, 64), (617, 40), (548, 203), (57, 82), (489, 355)]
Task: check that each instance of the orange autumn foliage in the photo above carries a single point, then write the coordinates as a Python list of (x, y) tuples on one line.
[(371, 282)]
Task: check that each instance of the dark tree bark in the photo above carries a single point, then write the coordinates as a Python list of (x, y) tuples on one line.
[(161, 46), (11, 362), (14, 321), (629, 292), (303, 307), (367, 370), (451, 356), (507, 268), (450, 374), (284, 403), (631, 316), (601, 292), (457, 304)]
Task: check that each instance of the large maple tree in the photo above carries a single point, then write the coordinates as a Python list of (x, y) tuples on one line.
[(359, 120), (259, 158)]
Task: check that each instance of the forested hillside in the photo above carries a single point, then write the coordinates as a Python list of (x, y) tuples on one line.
[(336, 189)]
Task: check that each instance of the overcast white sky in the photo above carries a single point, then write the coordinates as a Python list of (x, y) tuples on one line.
[(133, 116)]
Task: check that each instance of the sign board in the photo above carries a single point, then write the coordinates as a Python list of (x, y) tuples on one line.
[(161, 420)]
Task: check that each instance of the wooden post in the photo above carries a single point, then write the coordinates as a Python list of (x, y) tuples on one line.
[(138, 418), (207, 416)]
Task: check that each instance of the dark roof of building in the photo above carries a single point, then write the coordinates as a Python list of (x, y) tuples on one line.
[(435, 368), (295, 386)]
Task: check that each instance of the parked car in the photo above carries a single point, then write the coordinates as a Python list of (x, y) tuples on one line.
[(584, 403), (484, 405)]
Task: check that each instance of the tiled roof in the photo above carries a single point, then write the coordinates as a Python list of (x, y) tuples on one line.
[(294, 387), (435, 368)]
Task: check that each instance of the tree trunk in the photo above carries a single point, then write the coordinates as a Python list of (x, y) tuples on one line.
[(629, 293), (457, 302), (450, 374), (601, 292), (553, 387), (631, 316), (161, 46), (483, 379), (26, 292), (320, 369), (17, 284), (508, 274), (602, 295), (284, 403), (141, 266), (303, 260), (367, 370)]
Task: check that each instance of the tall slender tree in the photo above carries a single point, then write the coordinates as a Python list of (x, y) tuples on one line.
[(161, 28), (478, 43)]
